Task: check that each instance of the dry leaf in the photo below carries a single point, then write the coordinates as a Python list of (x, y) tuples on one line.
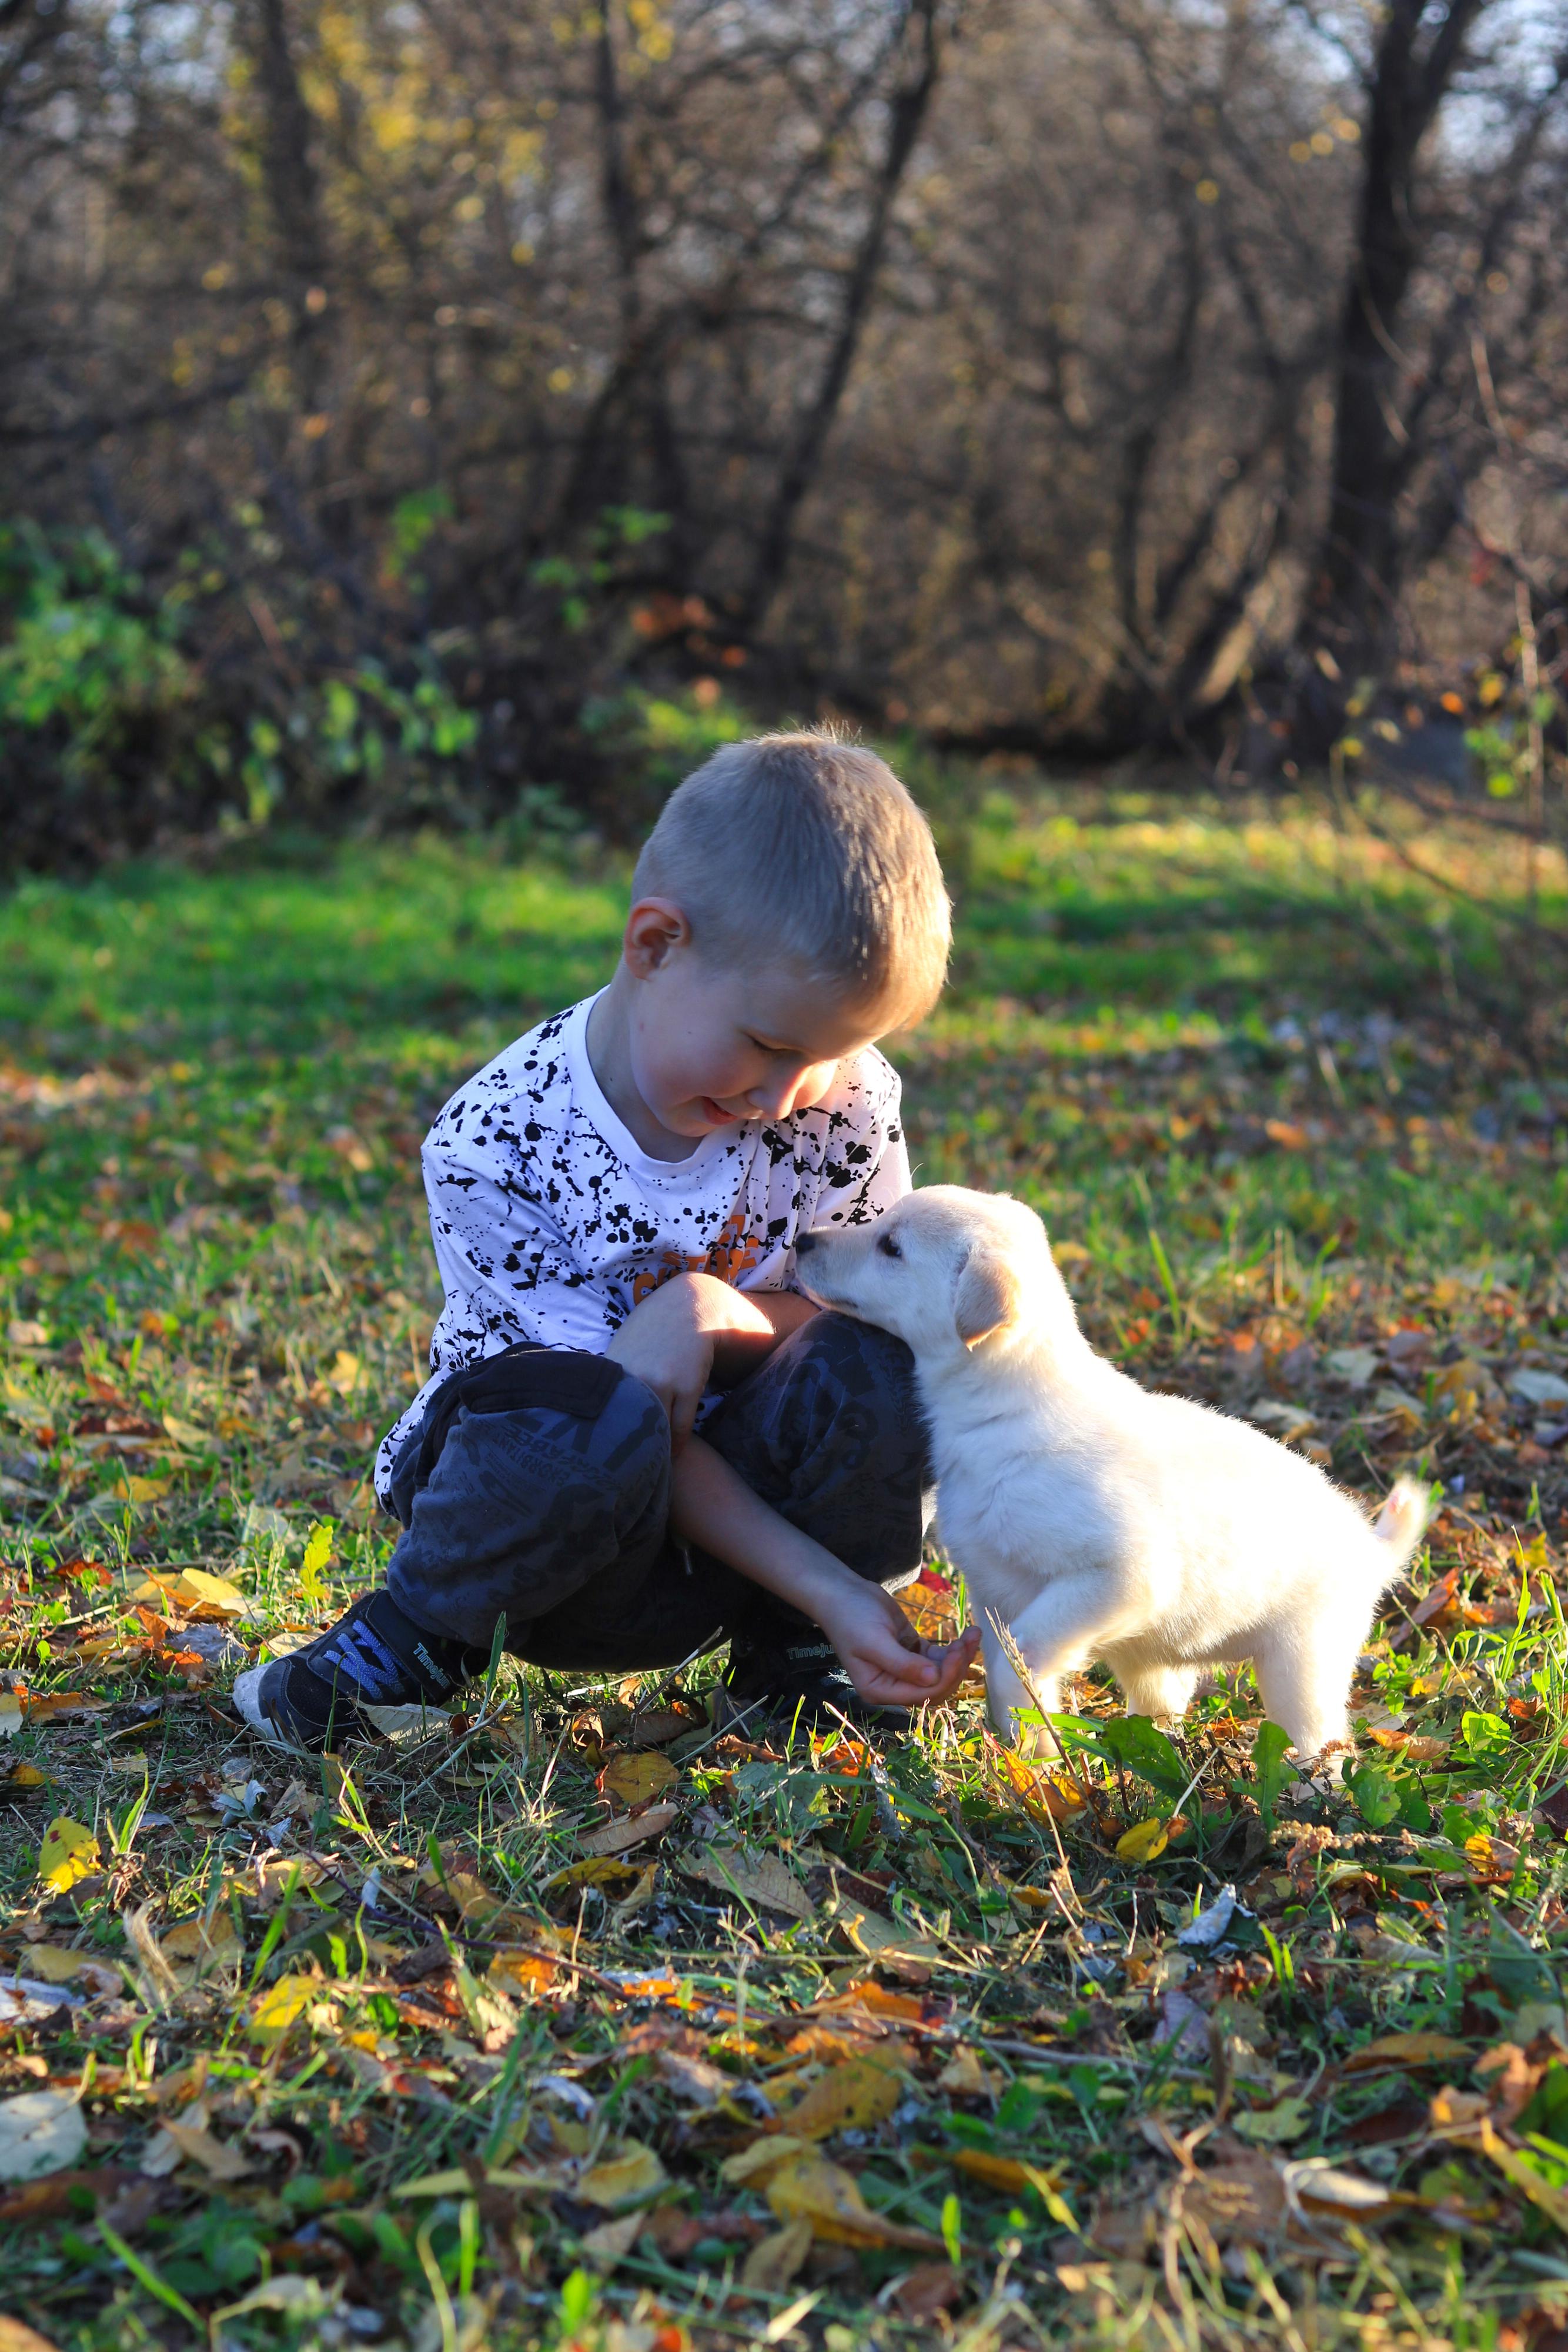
[(16, 2335), (197, 2146), (963, 2077), (871, 1936), (196, 1592), (282, 2005), (634, 1780), (1046, 1796), (632, 1828), (1142, 1842), (11, 1713), (659, 1727), (774, 2260), (696, 2079), (754, 1874), (1272, 2127), (522, 1973), (631, 2177), (612, 2242), (751, 2166), (54, 1963), (40, 2131), (1001, 2171), (1407, 2050), (851, 2098), (198, 1952), (600, 1870), (68, 1853), (807, 2188)]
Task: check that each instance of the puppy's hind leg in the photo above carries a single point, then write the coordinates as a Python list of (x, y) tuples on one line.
[(1164, 1693)]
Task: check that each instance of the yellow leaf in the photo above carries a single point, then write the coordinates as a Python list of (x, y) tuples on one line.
[(753, 1875), (186, 1433), (871, 1936), (54, 1963), (1271, 2127), (199, 1592), (849, 2097), (629, 2178), (773, 2261), (318, 1551), (620, 1876), (634, 1779), (1407, 2050), (130, 1490), (1046, 1796), (27, 1775), (11, 1713), (68, 1852), (754, 2164), (281, 2006), (218, 1948), (806, 2188), (1004, 2172), (217, 2160), (346, 1373), (1142, 1842)]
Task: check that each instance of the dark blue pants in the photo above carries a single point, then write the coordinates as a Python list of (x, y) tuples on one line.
[(536, 1490)]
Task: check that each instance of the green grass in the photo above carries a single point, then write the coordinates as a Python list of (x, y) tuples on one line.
[(1230, 1060)]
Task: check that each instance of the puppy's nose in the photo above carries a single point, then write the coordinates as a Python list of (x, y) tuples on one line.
[(804, 1242)]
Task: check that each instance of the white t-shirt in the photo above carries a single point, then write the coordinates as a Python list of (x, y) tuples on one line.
[(550, 1221)]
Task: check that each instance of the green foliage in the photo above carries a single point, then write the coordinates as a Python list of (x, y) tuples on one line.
[(1134, 1744), (648, 743), (87, 657), (1271, 1773), (1374, 1794)]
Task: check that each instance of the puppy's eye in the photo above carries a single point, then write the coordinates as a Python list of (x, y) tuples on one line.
[(888, 1247)]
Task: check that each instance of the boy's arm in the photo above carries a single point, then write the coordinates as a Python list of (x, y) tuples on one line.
[(695, 1328), (885, 1657)]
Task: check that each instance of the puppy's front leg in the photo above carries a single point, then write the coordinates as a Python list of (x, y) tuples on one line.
[(1060, 1629)]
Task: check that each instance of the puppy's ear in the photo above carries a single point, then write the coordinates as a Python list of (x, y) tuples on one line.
[(987, 1295)]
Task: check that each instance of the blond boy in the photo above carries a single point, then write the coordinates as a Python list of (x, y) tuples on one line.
[(639, 1439)]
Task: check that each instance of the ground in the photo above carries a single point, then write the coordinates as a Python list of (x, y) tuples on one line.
[(577, 2023)]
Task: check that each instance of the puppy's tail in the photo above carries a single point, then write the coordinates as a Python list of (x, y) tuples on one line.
[(1402, 1521)]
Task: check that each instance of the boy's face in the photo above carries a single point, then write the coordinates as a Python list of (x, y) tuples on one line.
[(712, 1046)]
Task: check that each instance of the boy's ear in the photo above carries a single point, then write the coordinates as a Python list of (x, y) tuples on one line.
[(988, 1295), (653, 927)]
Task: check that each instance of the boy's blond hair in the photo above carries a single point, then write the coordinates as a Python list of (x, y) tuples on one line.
[(807, 850)]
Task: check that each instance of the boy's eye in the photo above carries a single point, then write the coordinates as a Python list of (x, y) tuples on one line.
[(888, 1247)]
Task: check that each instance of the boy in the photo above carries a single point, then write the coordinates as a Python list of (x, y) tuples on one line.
[(614, 1202)]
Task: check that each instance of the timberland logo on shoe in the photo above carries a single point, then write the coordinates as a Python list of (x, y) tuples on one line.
[(441, 1682)]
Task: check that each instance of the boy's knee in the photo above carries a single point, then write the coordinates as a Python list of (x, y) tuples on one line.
[(559, 1422), (864, 1362)]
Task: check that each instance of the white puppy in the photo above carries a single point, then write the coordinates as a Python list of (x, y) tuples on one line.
[(1095, 1519)]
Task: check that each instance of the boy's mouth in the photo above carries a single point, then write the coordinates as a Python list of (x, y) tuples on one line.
[(717, 1112)]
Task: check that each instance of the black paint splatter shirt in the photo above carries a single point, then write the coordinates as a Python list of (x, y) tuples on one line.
[(550, 1221)]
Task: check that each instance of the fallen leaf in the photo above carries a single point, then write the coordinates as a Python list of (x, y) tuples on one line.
[(851, 2097), (523, 1972), (806, 2188), (196, 1592), (612, 2242), (200, 1951), (1407, 2050), (54, 1963), (1004, 2172), (874, 1935), (1322, 2188), (68, 1853), (1415, 1748), (1272, 2127), (753, 1874), (11, 1713), (631, 1829), (929, 2288), (752, 2166), (282, 2005), (215, 2157), (27, 1775), (659, 1726), (1045, 1795), (301, 2298), (40, 2131), (631, 2177), (774, 2260), (1142, 1842), (696, 2079), (600, 1870), (963, 2077), (636, 1779)]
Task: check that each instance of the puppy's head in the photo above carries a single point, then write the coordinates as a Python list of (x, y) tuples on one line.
[(946, 1270)]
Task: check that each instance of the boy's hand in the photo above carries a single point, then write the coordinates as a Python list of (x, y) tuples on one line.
[(668, 1340), (883, 1654)]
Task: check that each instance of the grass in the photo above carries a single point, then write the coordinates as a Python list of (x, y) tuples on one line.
[(385, 2051)]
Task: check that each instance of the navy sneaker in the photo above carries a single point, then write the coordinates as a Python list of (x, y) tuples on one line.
[(371, 1672), (801, 1683)]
